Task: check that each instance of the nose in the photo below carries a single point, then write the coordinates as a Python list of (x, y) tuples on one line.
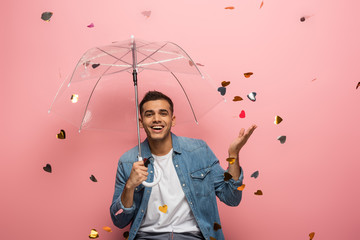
[(156, 118)]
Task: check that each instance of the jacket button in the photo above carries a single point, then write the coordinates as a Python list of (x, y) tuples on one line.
[(176, 165), (183, 184), (151, 171)]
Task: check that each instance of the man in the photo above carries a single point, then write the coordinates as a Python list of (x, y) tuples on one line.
[(183, 204)]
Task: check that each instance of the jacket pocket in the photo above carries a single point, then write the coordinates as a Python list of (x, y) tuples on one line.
[(201, 182)]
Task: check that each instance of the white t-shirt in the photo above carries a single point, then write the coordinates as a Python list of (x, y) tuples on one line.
[(179, 217)]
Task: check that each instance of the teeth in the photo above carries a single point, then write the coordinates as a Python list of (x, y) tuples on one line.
[(157, 127)]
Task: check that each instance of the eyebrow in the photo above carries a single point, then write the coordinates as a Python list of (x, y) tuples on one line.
[(152, 111)]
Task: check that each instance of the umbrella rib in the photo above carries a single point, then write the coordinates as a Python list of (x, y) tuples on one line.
[(152, 53), (120, 59)]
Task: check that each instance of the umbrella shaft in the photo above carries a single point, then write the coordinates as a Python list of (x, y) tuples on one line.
[(137, 110)]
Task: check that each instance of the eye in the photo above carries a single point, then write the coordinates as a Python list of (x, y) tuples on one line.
[(164, 113), (148, 114)]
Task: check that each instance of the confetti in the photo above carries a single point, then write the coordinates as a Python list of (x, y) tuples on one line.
[(227, 176), (258, 192), (119, 212), (95, 65), (311, 235), (282, 139), (126, 235), (146, 162), (251, 96), (61, 134), (212, 238), (92, 178), (255, 174), (241, 187), (231, 7), (91, 25), (242, 114), (302, 19), (86, 64), (262, 3), (313, 79), (146, 13), (357, 85), (191, 63), (108, 229), (46, 16), (199, 64), (248, 74), (74, 98), (237, 98), (163, 208), (278, 120), (231, 160), (47, 168), (93, 234), (225, 83), (217, 226), (222, 90)]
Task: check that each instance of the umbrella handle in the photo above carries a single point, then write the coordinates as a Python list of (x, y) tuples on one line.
[(155, 181)]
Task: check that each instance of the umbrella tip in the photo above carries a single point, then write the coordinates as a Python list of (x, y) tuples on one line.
[(132, 36), (49, 111)]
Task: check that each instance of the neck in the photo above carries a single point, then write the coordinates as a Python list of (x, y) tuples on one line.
[(160, 147)]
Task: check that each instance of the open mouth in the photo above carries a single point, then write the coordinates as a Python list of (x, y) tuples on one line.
[(157, 128)]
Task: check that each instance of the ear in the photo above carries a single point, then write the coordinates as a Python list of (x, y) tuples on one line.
[(141, 123), (173, 118)]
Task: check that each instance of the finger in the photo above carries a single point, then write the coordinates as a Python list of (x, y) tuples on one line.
[(241, 133)]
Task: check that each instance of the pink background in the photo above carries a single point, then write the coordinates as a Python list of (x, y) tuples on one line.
[(309, 183)]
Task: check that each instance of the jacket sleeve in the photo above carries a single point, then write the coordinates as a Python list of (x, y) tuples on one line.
[(226, 191), (120, 215)]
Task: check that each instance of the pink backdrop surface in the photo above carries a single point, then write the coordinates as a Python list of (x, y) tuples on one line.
[(309, 183)]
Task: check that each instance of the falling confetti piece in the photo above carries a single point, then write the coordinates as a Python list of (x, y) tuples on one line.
[(311, 235), (237, 98), (231, 7), (212, 238), (146, 162), (191, 63), (357, 85), (108, 229), (91, 25), (92, 178), (93, 234), (302, 19), (255, 174), (278, 120), (262, 3), (251, 96), (61, 134), (146, 13), (227, 176), (119, 212), (74, 98), (313, 79), (258, 192), (222, 90), (282, 139), (86, 64), (242, 114), (217, 226), (46, 16), (225, 83), (95, 65), (163, 208), (47, 168), (241, 187), (126, 235), (248, 74), (231, 160), (199, 64)]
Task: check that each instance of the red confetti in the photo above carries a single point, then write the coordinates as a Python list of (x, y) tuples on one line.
[(242, 114), (91, 25)]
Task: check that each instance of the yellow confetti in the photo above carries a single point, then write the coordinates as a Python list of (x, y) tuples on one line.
[(231, 160), (278, 119), (231, 7), (248, 74), (163, 208), (74, 98), (61, 134), (108, 229), (93, 234), (241, 187)]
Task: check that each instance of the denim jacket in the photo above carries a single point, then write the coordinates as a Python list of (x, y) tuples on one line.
[(201, 178)]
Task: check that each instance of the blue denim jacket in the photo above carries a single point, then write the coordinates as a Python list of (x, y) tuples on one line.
[(201, 178)]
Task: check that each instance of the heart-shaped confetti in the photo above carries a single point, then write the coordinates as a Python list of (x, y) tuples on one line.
[(108, 229), (242, 114), (262, 3), (146, 13), (222, 90), (46, 16), (126, 235), (311, 235), (251, 96), (217, 226), (231, 7), (255, 174), (278, 119), (282, 139), (47, 168), (357, 85), (258, 192), (92, 178), (93, 234), (61, 135), (74, 98), (237, 98), (163, 208), (231, 160), (146, 162), (248, 74), (227, 176), (241, 187), (225, 83), (95, 65), (91, 25)]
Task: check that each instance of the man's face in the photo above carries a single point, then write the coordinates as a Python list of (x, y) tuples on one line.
[(157, 119)]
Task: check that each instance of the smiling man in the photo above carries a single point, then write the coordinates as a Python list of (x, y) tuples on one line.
[(183, 204)]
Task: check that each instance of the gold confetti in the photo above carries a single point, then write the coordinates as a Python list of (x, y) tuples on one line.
[(262, 3), (248, 74), (231, 7), (311, 235), (61, 135), (237, 98), (225, 83), (74, 98), (231, 160), (258, 192), (357, 85), (278, 119), (163, 208), (108, 229), (217, 226), (212, 238), (241, 187), (93, 234)]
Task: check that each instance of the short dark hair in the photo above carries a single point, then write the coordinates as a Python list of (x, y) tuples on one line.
[(155, 95)]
